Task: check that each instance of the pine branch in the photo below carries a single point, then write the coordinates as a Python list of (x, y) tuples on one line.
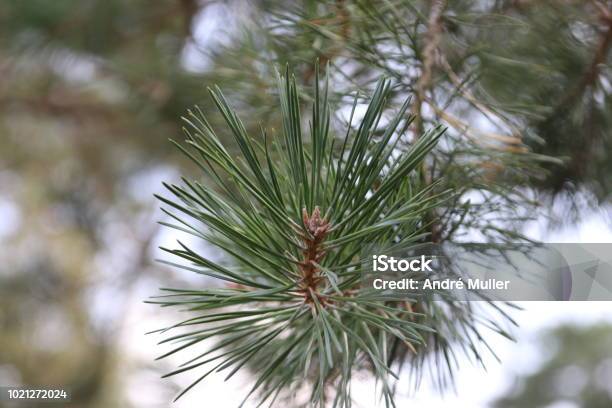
[(431, 41), (294, 229), (592, 71)]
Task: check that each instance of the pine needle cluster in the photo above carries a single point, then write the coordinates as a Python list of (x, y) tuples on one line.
[(292, 214)]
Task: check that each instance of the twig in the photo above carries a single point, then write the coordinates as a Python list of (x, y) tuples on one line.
[(432, 40), (342, 18)]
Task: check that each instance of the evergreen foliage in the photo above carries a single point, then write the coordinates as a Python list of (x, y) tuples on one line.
[(507, 77), (293, 214)]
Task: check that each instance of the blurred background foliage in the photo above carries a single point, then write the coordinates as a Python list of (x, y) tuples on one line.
[(91, 90), (570, 374)]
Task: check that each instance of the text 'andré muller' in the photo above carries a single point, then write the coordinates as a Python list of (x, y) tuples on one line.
[(384, 263)]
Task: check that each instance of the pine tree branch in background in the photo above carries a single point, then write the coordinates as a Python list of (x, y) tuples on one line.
[(343, 20), (427, 56), (431, 40), (592, 71)]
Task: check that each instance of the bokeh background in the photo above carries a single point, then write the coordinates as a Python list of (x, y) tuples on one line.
[(90, 92)]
